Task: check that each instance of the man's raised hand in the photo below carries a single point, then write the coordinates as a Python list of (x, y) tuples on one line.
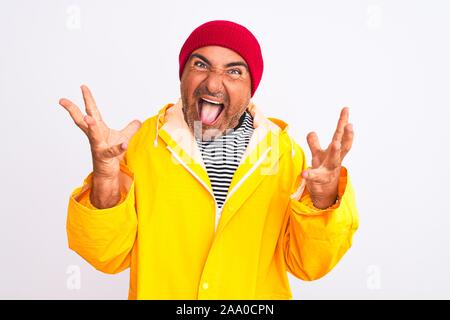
[(323, 177), (107, 147)]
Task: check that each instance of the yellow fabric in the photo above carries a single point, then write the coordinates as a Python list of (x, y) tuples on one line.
[(164, 226)]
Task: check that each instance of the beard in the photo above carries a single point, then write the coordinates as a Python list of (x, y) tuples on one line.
[(204, 131), (207, 132)]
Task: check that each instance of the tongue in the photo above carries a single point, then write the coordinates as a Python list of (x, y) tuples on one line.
[(209, 112)]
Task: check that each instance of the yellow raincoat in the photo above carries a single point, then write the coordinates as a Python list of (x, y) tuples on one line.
[(165, 227)]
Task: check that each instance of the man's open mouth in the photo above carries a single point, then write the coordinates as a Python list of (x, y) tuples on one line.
[(209, 110)]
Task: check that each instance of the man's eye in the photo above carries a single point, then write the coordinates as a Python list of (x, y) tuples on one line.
[(199, 64), (235, 71)]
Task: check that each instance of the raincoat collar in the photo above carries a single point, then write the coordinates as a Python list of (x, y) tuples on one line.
[(170, 120)]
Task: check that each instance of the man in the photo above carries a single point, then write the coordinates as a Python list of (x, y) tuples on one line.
[(209, 199)]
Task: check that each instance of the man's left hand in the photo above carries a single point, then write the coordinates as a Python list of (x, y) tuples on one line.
[(322, 178)]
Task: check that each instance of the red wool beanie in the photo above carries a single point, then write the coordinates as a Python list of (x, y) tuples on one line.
[(229, 35)]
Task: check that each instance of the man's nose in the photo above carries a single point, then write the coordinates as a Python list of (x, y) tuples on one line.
[(214, 82)]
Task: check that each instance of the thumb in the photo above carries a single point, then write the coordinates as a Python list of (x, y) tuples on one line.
[(115, 150), (318, 175), (305, 174), (311, 175), (131, 129)]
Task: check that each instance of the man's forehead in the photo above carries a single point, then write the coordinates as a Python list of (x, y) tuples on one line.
[(218, 55)]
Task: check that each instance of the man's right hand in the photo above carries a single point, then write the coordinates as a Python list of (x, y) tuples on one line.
[(108, 147)]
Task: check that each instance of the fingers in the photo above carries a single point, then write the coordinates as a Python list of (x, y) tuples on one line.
[(334, 158), (98, 140), (313, 143), (347, 140), (343, 120), (75, 113), (131, 129), (93, 131), (89, 102)]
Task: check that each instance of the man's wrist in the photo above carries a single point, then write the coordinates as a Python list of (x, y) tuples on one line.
[(325, 203), (105, 193)]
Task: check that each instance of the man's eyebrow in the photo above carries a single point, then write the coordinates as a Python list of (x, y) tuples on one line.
[(237, 63), (231, 64), (197, 55)]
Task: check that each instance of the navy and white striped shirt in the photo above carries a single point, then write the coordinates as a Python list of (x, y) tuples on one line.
[(222, 156)]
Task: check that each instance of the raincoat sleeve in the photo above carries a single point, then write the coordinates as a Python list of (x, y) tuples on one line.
[(315, 239), (103, 237)]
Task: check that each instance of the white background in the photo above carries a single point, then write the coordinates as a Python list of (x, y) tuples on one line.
[(387, 60)]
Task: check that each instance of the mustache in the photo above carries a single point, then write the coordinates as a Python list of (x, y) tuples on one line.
[(202, 91)]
